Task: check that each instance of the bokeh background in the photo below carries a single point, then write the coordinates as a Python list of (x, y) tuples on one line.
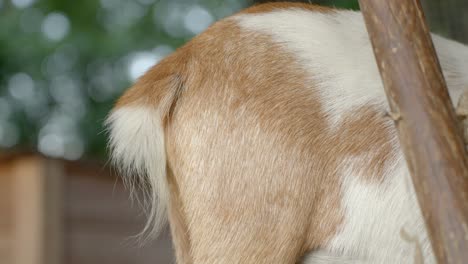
[(62, 66), (63, 63)]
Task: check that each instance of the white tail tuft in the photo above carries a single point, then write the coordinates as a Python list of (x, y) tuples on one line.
[(137, 148)]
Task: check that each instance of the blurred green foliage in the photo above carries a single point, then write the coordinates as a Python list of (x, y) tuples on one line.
[(345, 4), (64, 63)]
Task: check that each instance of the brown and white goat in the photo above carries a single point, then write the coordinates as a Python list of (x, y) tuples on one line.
[(265, 140)]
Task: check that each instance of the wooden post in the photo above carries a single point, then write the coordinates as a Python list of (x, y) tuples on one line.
[(38, 216), (425, 119), (31, 217)]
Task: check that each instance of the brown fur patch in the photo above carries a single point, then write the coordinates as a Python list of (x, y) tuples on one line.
[(366, 133), (178, 225), (269, 159), (159, 83), (241, 92), (269, 7), (147, 90)]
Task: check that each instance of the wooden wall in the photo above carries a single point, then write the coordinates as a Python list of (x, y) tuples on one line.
[(54, 212), (448, 18)]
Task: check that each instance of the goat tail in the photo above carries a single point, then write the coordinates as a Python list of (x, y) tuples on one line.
[(137, 147)]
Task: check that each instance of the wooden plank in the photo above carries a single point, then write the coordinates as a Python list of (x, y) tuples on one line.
[(28, 214), (6, 211), (425, 119), (37, 214), (52, 204)]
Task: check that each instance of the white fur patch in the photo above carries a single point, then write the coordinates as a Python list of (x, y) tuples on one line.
[(325, 257), (137, 148), (375, 215), (336, 50), (453, 57)]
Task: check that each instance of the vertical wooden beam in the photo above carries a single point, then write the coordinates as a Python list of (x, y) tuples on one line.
[(425, 119), (38, 218), (28, 217), (53, 203), (6, 213)]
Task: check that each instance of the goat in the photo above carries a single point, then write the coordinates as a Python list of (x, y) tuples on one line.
[(265, 139)]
